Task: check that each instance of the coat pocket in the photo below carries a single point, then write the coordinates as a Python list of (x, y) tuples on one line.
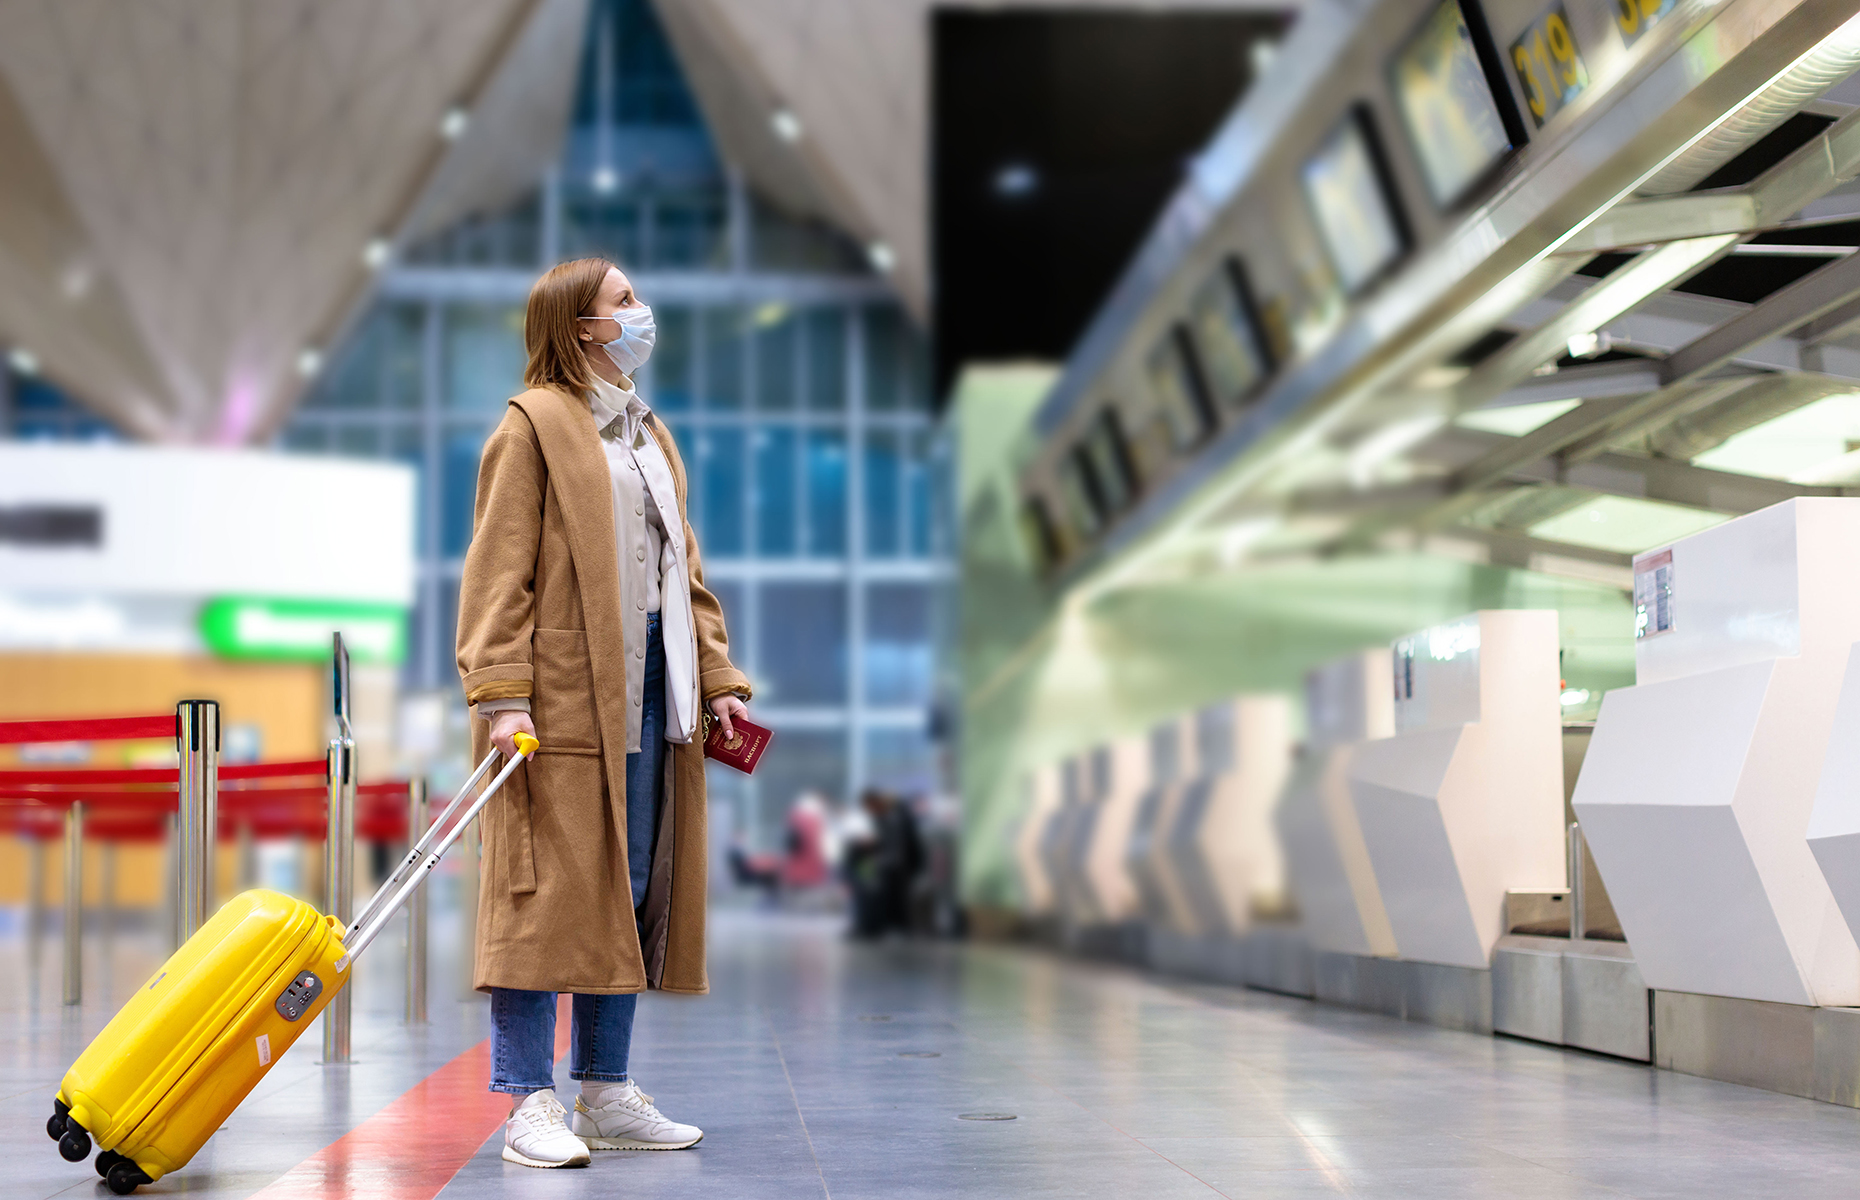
[(563, 703)]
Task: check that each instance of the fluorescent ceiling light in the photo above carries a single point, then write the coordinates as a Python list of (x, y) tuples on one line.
[(1804, 443), (1625, 525), (1516, 419)]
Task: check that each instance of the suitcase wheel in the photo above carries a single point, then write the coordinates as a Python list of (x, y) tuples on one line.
[(55, 1125), (75, 1145), (125, 1177), (106, 1160)]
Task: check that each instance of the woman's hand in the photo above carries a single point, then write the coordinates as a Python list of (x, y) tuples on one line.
[(727, 708), (505, 727)]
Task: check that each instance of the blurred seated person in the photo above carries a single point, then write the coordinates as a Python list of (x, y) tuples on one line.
[(802, 864), (881, 865)]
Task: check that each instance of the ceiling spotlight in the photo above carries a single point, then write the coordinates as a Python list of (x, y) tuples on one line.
[(1016, 181), (1261, 54), (309, 362), (76, 279), (23, 361), (881, 256), (786, 125), (376, 253), (605, 180), (1588, 345), (453, 124)]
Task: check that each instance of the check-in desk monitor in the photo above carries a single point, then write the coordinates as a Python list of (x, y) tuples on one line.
[(1698, 794), (1347, 703), (1465, 801), (1173, 766), (1222, 847), (1042, 804)]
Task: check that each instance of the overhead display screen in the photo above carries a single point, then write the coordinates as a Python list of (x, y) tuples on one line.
[(1178, 392), (1549, 65), (1446, 102), (1356, 220), (1227, 339)]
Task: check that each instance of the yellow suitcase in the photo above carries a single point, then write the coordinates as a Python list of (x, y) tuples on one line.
[(174, 1063)]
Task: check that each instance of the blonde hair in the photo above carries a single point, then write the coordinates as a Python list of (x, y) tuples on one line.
[(552, 325)]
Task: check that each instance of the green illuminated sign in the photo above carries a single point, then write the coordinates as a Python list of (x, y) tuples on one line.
[(300, 630)]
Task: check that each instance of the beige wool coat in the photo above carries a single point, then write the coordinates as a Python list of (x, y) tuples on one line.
[(539, 616)]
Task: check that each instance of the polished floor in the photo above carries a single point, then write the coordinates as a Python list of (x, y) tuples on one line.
[(824, 1069)]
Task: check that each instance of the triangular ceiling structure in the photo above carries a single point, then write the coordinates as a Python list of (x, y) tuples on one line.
[(193, 183), (852, 77)]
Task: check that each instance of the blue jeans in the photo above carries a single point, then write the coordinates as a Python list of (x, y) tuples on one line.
[(601, 1033)]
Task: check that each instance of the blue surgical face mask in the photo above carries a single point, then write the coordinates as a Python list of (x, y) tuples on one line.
[(638, 332)]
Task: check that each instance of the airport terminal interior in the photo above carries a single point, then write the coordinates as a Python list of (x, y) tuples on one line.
[(1284, 572)]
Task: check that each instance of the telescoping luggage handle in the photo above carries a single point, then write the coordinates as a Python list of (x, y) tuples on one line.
[(424, 855)]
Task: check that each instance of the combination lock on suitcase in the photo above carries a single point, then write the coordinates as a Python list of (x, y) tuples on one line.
[(193, 1042)]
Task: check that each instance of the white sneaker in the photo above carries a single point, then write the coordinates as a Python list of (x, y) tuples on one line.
[(628, 1121), (537, 1136)]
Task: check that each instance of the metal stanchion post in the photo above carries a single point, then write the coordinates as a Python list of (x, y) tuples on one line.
[(197, 734), (109, 896), (1578, 919), (339, 883), (416, 911), (247, 855), (468, 910), (171, 880), (74, 904), (35, 897)]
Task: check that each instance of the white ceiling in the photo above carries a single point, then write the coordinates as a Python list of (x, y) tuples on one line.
[(191, 184), (856, 74)]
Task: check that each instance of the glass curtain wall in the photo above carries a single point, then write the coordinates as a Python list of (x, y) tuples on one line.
[(793, 382)]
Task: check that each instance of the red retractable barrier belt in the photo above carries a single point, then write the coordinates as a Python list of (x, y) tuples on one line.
[(88, 729)]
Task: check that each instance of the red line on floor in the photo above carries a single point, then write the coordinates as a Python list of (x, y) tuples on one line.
[(415, 1146)]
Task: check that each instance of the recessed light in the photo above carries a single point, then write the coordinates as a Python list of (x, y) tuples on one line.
[(454, 123), (881, 256), (605, 179), (1016, 180), (376, 253), (309, 361), (23, 361), (786, 125)]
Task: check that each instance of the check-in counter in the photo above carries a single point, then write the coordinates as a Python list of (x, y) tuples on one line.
[(1347, 703), (1173, 771), (1042, 803), (1222, 846), (1698, 797), (1465, 801), (1057, 835), (1121, 775)]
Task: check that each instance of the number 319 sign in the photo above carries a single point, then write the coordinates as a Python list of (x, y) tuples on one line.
[(1549, 66)]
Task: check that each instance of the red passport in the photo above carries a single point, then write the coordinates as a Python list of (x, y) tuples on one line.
[(743, 750)]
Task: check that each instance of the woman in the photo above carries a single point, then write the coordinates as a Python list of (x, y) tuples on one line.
[(583, 620)]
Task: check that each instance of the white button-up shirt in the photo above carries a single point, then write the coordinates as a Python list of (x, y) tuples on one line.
[(650, 549)]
